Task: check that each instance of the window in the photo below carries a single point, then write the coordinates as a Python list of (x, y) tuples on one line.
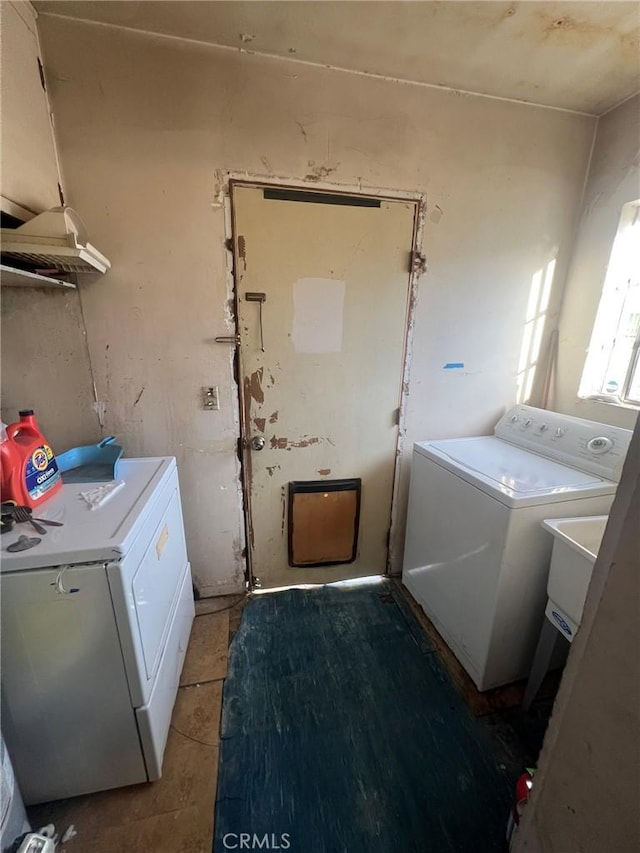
[(612, 368)]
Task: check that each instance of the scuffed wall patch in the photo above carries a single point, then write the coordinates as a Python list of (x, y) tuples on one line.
[(418, 263), (318, 172), (100, 408)]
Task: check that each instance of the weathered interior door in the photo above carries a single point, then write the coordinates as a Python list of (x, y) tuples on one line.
[(322, 298)]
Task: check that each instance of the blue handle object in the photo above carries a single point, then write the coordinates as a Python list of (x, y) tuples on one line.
[(93, 463)]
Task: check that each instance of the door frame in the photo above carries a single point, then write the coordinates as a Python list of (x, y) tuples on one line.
[(225, 183)]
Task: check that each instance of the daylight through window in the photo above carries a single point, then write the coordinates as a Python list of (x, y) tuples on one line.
[(612, 368)]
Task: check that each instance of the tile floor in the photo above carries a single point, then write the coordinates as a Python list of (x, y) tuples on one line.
[(175, 814)]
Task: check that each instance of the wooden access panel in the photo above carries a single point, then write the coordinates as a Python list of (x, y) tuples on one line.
[(324, 517)]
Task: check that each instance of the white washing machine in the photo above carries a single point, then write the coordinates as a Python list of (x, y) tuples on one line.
[(476, 557)]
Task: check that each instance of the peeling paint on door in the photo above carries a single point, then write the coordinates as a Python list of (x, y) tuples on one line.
[(331, 372), (278, 443), (253, 386), (305, 442), (242, 251)]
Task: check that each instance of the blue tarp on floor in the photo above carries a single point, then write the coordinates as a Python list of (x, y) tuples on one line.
[(342, 732)]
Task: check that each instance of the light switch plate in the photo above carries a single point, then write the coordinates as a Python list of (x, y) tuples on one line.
[(210, 398)]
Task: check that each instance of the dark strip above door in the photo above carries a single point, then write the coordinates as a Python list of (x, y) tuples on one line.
[(310, 197)]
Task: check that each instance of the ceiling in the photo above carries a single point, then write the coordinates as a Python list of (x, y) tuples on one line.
[(574, 55)]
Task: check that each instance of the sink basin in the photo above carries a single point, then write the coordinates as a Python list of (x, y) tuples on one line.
[(575, 548)]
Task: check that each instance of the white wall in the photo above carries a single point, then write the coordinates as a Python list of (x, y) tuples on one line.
[(614, 179), (44, 353), (143, 124), (585, 794)]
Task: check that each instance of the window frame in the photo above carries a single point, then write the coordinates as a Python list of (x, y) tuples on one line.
[(593, 365), (634, 365)]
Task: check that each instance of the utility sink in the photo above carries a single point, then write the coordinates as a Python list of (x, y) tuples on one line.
[(576, 544), (575, 548)]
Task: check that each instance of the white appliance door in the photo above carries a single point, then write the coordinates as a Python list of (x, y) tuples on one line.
[(66, 712), (511, 466), (157, 578), (453, 554), (145, 587), (154, 718), (512, 475)]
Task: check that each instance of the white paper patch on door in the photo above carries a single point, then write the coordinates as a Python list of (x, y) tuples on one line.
[(318, 309)]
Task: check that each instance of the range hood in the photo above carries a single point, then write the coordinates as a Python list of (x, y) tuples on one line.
[(54, 241)]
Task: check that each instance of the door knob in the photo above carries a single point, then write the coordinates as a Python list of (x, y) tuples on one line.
[(257, 442)]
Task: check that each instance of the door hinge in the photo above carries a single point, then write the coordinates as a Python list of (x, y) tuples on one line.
[(417, 263), (395, 418), (61, 195), (228, 244), (41, 73)]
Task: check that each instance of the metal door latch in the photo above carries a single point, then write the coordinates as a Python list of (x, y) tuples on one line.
[(260, 298)]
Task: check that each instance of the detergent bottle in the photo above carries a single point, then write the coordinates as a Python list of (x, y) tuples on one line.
[(29, 469), (6, 458)]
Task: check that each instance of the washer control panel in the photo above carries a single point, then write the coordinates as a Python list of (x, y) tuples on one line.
[(600, 444), (590, 446)]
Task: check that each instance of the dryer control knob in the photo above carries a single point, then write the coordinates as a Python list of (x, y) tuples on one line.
[(600, 444), (527, 422)]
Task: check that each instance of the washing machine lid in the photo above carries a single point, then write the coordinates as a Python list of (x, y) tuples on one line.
[(515, 476)]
